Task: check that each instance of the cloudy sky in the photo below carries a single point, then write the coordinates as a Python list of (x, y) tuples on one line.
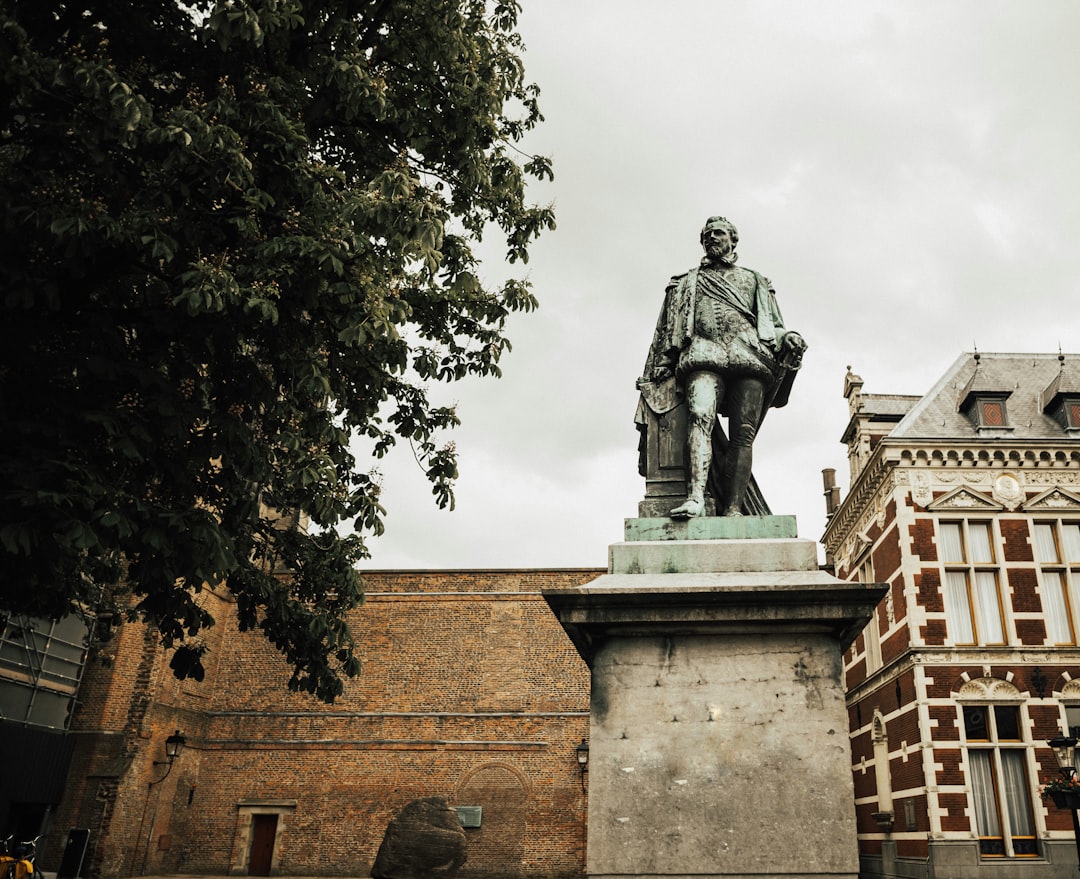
[(906, 173)]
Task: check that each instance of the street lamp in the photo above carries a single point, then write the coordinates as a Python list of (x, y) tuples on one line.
[(1064, 748)]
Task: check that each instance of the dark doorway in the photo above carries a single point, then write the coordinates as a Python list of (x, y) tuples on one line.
[(263, 832)]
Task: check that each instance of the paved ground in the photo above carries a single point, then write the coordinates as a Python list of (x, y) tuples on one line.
[(42, 874)]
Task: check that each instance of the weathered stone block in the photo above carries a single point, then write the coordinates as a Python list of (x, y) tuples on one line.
[(423, 841), (718, 728)]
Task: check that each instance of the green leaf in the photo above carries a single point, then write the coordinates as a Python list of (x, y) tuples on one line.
[(238, 242)]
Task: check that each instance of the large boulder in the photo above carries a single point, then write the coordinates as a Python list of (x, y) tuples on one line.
[(423, 841)]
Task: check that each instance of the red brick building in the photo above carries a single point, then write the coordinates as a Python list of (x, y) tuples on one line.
[(470, 691), (966, 502)]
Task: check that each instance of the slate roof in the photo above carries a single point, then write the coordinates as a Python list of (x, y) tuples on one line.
[(1026, 376)]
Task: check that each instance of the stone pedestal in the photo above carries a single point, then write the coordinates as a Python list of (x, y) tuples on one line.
[(718, 732)]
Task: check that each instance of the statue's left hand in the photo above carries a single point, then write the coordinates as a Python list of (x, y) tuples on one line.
[(792, 348)]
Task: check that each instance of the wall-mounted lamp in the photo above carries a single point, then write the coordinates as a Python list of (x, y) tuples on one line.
[(1064, 748), (582, 754), (174, 744)]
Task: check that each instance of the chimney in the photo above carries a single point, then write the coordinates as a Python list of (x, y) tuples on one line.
[(832, 491)]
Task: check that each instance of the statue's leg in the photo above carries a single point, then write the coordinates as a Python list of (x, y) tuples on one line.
[(746, 396), (703, 390)]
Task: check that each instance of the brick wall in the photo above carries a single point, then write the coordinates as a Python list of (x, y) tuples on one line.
[(470, 690)]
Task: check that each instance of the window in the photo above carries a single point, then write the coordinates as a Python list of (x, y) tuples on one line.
[(41, 663), (1070, 408), (972, 596), (871, 634), (1065, 411), (1057, 551), (997, 773), (986, 410)]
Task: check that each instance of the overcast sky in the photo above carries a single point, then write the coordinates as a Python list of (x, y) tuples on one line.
[(906, 173)]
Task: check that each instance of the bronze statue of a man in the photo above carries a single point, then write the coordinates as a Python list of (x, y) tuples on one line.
[(721, 338)]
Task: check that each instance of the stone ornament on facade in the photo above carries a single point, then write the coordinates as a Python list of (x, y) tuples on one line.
[(1055, 499), (963, 477), (989, 689), (1071, 690), (921, 490), (1052, 478), (1007, 490), (964, 498)]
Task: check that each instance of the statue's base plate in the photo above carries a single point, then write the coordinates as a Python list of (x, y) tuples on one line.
[(711, 528)]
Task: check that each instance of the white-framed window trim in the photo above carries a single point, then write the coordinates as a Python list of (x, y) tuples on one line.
[(871, 632), (1056, 545), (997, 756), (971, 579)]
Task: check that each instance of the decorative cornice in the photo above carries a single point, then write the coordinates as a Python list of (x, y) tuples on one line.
[(970, 454), (989, 455), (859, 496)]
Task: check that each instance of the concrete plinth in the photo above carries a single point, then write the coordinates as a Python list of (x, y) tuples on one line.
[(718, 733)]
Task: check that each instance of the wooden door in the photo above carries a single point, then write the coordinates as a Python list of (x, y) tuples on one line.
[(263, 833)]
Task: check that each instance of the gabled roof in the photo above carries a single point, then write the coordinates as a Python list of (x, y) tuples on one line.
[(1023, 377)]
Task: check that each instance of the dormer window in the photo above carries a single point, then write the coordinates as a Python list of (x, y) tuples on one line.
[(986, 410), (1061, 399), (991, 412), (1066, 412), (983, 400)]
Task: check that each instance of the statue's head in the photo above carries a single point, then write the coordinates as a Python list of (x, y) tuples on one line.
[(720, 223), (717, 249)]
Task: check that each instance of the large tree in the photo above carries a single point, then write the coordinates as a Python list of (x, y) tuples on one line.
[(237, 237)]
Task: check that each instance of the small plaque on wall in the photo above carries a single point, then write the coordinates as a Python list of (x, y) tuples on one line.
[(469, 816)]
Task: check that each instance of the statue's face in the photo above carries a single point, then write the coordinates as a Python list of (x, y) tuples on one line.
[(717, 241)]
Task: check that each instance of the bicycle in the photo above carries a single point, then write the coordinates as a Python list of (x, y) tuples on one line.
[(21, 855), (6, 858)]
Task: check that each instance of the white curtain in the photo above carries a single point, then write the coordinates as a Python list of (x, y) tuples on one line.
[(982, 789), (1017, 794), (979, 534), (958, 607), (1045, 548), (1056, 607), (952, 547), (1070, 534), (988, 608)]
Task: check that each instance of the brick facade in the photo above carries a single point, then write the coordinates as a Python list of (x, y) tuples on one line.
[(966, 682), (470, 690)]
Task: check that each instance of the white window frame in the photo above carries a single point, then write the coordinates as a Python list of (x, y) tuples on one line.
[(1059, 575), (972, 585), (1007, 810), (871, 632)]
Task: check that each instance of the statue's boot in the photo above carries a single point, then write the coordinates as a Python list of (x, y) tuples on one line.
[(737, 478)]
